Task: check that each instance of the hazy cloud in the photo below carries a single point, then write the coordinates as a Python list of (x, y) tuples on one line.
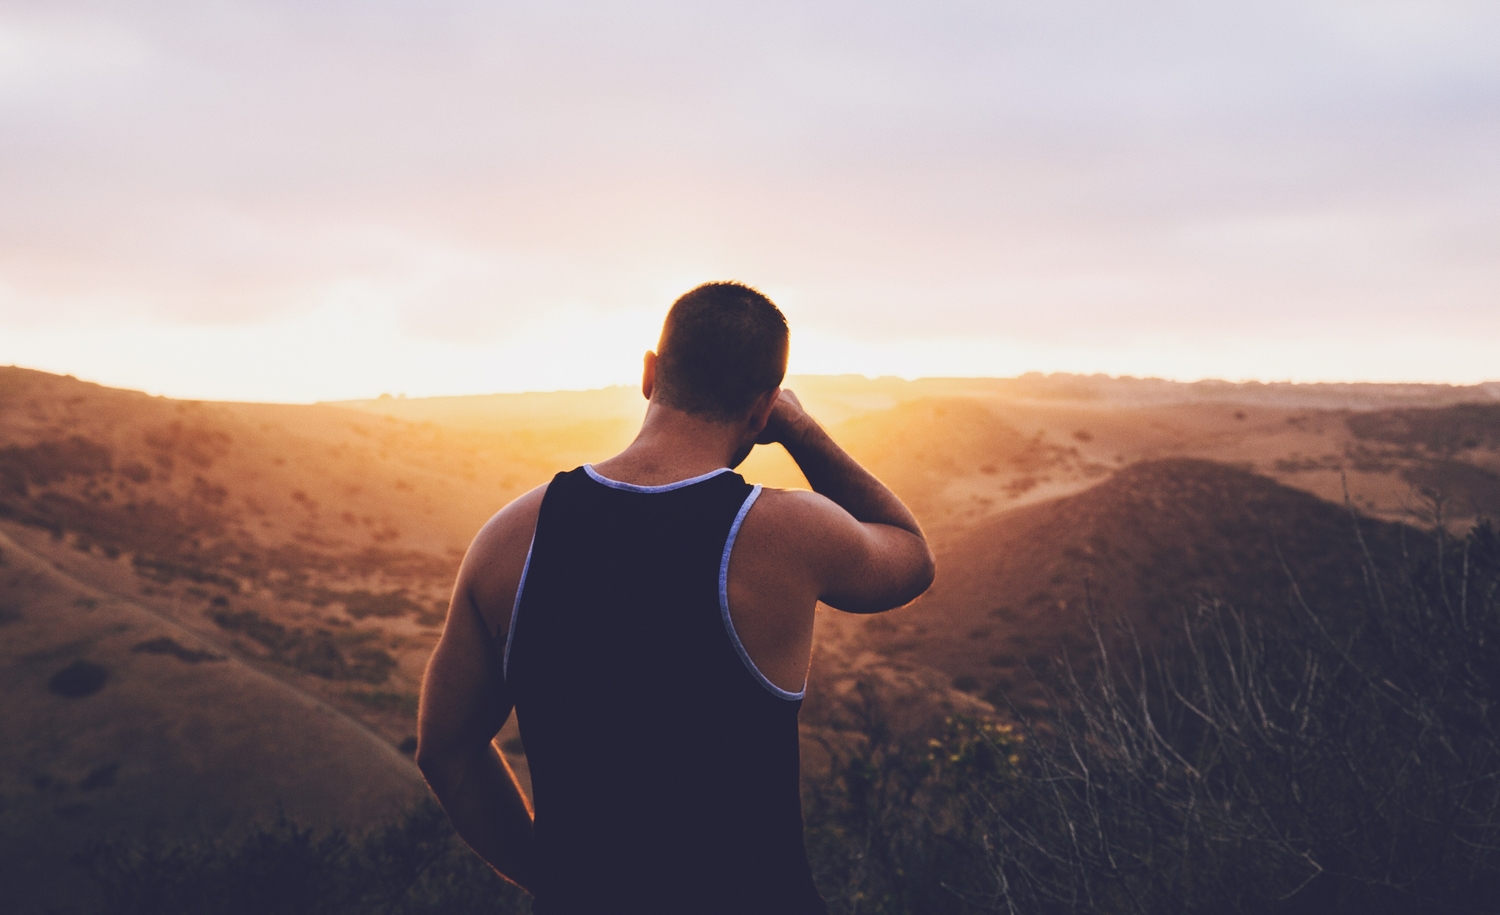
[(1072, 170)]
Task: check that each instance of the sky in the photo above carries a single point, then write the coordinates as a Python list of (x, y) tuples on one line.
[(316, 200)]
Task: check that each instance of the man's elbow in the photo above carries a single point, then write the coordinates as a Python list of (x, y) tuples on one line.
[(926, 572), (900, 589), (912, 571), (923, 572)]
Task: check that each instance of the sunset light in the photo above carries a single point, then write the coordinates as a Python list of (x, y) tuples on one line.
[(260, 201)]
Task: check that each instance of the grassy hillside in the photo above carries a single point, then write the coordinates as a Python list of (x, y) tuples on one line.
[(120, 721), (196, 599), (255, 589)]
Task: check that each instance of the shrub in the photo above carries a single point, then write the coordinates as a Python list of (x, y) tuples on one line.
[(169, 646), (893, 826), (79, 679), (48, 462), (385, 701), (314, 651), (1339, 759)]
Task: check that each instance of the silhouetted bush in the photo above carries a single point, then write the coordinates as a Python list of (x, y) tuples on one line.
[(167, 571), (79, 679), (48, 462), (1343, 759), (315, 651), (1443, 430), (400, 703), (892, 825), (200, 445), (1332, 759), (100, 777), (360, 603), (169, 646)]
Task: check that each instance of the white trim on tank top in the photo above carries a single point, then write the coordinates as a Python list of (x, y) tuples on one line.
[(734, 637), (515, 609), (598, 477)]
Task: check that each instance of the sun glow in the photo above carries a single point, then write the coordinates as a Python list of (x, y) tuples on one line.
[(340, 350), (349, 349), (282, 204)]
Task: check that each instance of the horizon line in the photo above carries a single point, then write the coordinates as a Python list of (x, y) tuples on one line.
[(1487, 385)]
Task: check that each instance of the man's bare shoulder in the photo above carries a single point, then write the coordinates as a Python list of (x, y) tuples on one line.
[(492, 567), (862, 567), (797, 504), (508, 524), (800, 515)]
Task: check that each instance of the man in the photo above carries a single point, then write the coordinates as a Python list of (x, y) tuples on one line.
[(650, 619)]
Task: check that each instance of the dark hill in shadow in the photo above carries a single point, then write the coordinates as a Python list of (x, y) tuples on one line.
[(1142, 546)]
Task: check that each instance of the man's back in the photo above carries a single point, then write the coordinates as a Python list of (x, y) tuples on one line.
[(660, 640), (664, 766)]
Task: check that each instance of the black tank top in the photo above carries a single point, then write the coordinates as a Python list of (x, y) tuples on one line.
[(664, 766)]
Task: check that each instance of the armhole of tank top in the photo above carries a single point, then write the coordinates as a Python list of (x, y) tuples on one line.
[(734, 637), (515, 610)]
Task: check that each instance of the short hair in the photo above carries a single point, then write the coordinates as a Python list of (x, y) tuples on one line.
[(722, 346)]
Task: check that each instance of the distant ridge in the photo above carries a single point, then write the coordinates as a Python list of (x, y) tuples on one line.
[(625, 400), (485, 411)]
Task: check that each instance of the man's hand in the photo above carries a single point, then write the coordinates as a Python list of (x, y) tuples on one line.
[(876, 556), (788, 420)]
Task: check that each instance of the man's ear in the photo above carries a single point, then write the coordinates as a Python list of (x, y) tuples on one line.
[(760, 411), (648, 374)]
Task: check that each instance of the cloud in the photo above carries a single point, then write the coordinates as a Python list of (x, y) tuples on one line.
[(53, 54), (1052, 172)]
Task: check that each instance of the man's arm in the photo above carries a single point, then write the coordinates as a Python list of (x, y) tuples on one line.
[(465, 700), (872, 553)]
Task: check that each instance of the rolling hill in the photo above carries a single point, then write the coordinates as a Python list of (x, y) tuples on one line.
[(212, 610), (121, 722), (1139, 549)]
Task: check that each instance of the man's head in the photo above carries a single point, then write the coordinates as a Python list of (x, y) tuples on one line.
[(723, 346)]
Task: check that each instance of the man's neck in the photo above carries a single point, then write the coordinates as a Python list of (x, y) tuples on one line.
[(672, 446)]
